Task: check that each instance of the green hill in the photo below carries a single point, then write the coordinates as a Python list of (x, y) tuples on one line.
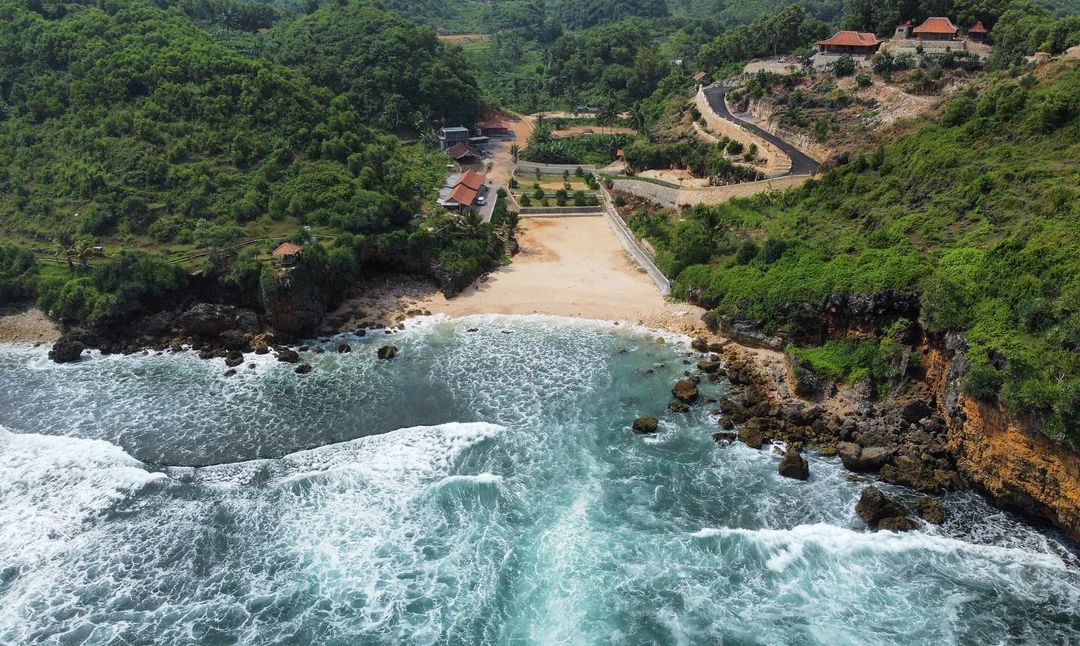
[(132, 129), (976, 213)]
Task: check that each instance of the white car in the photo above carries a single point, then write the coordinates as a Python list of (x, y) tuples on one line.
[(480, 200)]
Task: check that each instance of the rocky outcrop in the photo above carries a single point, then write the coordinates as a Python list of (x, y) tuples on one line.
[(66, 349), (686, 391), (387, 352), (875, 508), (794, 465), (208, 319), (645, 425), (929, 509)]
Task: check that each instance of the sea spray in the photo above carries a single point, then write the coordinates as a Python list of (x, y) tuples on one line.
[(521, 510)]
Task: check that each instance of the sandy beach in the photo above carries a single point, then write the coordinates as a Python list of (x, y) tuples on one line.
[(570, 266)]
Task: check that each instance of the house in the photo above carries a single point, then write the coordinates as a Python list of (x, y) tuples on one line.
[(462, 191), (702, 78), (936, 29), (450, 136), (463, 154), (979, 33), (286, 253), (853, 43), (496, 127)]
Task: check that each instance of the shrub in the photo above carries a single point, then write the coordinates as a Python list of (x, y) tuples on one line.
[(844, 66), (863, 80), (983, 383)]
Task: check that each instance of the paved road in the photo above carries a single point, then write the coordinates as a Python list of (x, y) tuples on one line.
[(800, 163)]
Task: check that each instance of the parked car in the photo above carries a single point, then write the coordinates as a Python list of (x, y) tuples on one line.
[(480, 200)]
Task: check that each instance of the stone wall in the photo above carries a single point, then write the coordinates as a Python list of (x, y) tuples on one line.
[(712, 195)]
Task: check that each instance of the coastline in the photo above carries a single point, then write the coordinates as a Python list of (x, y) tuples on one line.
[(27, 325), (568, 267)]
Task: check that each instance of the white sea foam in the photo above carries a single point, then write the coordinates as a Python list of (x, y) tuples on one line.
[(480, 478), (50, 486), (845, 542)]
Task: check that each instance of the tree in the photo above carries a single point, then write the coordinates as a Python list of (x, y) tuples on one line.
[(844, 66)]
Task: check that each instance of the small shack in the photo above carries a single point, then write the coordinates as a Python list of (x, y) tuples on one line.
[(979, 33), (286, 254), (463, 154), (703, 78)]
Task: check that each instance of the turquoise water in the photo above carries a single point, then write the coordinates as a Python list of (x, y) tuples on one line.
[(482, 488)]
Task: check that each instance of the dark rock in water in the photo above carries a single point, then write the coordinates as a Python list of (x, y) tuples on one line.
[(303, 369), (645, 425), (206, 353), (929, 509), (794, 466), (387, 352), (318, 349), (66, 350), (724, 439), (344, 347), (726, 423), (857, 458), (914, 411), (896, 524), (752, 433), (700, 345), (686, 391), (677, 406), (234, 359), (303, 348), (874, 506), (708, 367), (361, 332), (472, 329), (288, 355), (230, 372)]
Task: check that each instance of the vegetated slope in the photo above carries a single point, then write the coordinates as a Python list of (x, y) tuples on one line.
[(979, 214), (132, 129), (394, 73)]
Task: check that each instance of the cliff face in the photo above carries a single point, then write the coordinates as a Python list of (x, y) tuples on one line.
[(1017, 465)]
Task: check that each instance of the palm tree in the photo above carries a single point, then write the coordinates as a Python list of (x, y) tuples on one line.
[(514, 150), (637, 118), (605, 115)]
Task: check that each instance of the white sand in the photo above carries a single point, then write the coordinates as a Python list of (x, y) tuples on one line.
[(575, 267), (27, 326)]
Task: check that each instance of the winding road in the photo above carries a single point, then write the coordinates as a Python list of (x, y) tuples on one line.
[(800, 163)]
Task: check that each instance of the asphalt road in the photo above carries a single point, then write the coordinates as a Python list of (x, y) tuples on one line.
[(800, 163)]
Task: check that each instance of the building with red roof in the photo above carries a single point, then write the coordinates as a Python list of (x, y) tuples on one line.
[(854, 43), (463, 154), (286, 253), (979, 32), (936, 28), (462, 191)]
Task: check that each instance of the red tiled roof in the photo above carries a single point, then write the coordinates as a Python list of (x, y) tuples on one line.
[(471, 179), (851, 39), (463, 195), (287, 249), (457, 151), (936, 26), (979, 28)]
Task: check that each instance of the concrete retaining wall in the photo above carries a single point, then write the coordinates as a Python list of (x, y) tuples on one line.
[(553, 169), (556, 211), (630, 242), (677, 198)]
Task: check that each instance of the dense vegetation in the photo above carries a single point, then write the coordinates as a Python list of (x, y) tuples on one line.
[(139, 148), (395, 75), (976, 213)]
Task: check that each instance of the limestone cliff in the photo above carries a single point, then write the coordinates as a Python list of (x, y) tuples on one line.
[(1021, 468)]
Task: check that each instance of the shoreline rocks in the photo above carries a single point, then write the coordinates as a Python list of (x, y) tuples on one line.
[(794, 465), (387, 352)]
